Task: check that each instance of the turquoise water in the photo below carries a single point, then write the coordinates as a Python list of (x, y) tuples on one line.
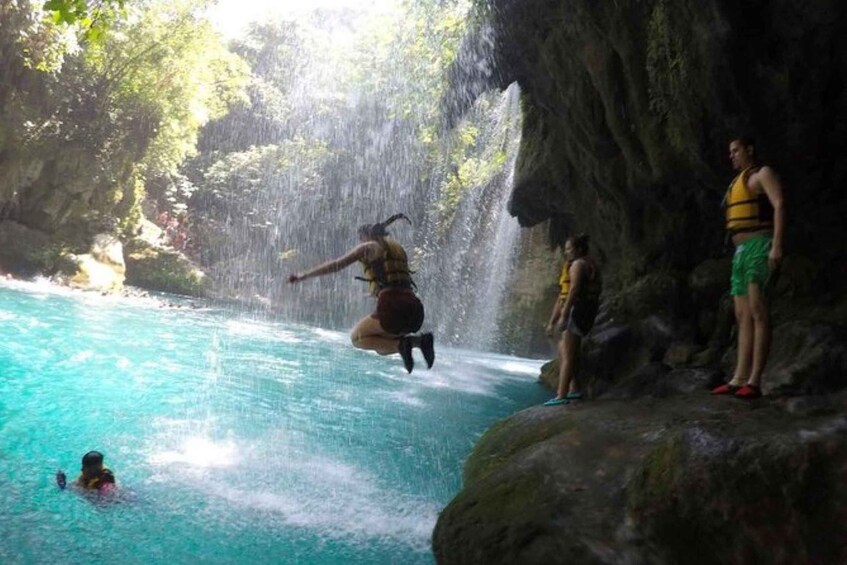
[(235, 440)]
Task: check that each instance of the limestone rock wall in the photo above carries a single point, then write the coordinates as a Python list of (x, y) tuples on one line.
[(671, 480), (629, 107)]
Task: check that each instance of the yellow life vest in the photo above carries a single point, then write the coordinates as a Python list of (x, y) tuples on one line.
[(391, 271), (104, 477), (565, 281), (591, 289), (745, 210)]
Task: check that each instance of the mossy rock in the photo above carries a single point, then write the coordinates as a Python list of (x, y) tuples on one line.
[(549, 376), (27, 252), (701, 485), (164, 270), (491, 452), (654, 481)]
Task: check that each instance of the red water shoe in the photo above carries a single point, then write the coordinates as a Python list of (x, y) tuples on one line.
[(725, 389), (749, 392)]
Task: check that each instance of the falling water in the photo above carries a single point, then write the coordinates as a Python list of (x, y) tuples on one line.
[(473, 264), (346, 151)]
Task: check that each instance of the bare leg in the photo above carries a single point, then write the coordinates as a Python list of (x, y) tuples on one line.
[(368, 334), (745, 340), (560, 350), (575, 362), (761, 333), (568, 346)]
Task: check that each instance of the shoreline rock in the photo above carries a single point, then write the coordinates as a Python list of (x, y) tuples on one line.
[(688, 479)]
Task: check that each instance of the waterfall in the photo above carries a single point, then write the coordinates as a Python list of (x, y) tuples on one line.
[(473, 264), (344, 129)]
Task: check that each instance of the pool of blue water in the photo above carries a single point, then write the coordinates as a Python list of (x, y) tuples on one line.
[(233, 439)]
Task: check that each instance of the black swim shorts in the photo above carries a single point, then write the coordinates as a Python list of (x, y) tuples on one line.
[(582, 317), (399, 311)]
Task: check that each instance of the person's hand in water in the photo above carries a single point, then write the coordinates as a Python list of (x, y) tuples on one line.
[(61, 479)]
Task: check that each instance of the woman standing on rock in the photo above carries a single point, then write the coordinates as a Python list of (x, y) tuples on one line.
[(574, 313)]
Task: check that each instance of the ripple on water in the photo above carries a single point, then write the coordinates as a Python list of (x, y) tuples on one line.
[(242, 439)]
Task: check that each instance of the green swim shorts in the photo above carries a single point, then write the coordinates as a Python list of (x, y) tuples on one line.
[(750, 264)]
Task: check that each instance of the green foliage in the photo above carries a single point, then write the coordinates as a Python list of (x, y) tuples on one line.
[(108, 115), (93, 18), (305, 136), (168, 70), (236, 182), (32, 39), (161, 270), (477, 154), (131, 99), (420, 41), (253, 188)]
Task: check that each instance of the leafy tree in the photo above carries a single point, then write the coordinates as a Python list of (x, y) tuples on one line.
[(94, 121), (94, 18)]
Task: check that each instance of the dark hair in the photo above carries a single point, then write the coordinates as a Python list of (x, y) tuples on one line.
[(747, 141), (579, 242), (378, 229), (744, 140), (92, 458)]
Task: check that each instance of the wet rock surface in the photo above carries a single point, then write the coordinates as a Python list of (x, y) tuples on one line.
[(686, 479)]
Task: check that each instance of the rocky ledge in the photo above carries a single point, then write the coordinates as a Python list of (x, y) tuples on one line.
[(683, 479)]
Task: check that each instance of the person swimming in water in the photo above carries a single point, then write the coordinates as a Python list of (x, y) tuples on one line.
[(95, 476), (399, 312)]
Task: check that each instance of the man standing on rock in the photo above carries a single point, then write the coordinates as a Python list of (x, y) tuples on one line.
[(755, 219)]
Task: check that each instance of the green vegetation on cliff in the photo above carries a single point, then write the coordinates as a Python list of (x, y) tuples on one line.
[(86, 123)]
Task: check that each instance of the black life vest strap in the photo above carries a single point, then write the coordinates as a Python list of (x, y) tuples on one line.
[(740, 202)]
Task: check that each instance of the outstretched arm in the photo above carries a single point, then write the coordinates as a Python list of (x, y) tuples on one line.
[(356, 254), (773, 189)]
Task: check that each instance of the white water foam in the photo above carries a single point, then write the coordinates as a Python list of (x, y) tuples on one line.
[(332, 498)]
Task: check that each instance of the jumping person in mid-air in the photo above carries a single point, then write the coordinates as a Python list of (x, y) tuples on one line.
[(399, 313)]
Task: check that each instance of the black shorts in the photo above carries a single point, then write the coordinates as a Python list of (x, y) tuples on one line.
[(582, 317), (399, 311)]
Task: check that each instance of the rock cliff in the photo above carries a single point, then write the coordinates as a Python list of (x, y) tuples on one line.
[(628, 110)]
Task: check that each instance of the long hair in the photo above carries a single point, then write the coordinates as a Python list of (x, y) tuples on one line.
[(378, 229)]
